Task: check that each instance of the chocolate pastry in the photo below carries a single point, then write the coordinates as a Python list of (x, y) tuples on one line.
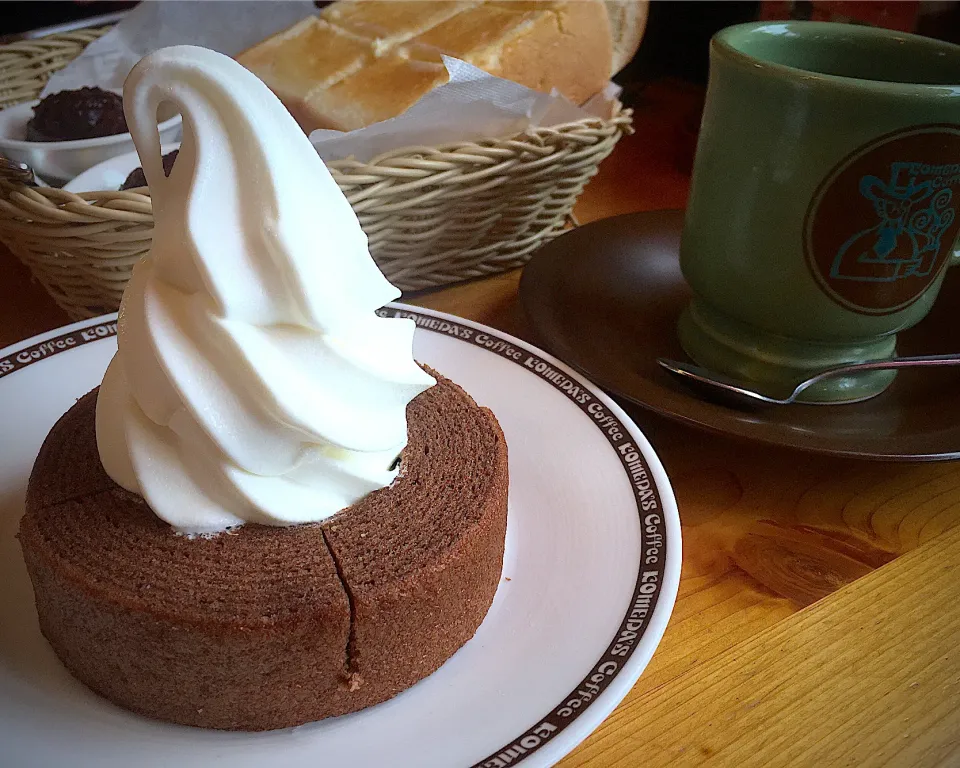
[(86, 113)]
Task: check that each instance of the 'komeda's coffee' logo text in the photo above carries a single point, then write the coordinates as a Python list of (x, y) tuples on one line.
[(883, 223)]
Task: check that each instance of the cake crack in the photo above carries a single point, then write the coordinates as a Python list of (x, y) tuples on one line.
[(94, 490), (354, 679)]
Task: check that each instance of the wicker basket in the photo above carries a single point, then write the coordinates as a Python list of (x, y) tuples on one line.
[(433, 215)]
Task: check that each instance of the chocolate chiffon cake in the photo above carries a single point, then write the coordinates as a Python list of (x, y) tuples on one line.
[(267, 627)]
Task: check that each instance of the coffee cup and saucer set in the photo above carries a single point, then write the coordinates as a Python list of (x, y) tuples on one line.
[(820, 231)]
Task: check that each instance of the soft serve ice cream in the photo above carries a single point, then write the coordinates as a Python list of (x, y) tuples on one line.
[(254, 381)]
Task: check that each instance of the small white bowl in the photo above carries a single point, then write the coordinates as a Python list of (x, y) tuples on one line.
[(110, 174), (59, 161)]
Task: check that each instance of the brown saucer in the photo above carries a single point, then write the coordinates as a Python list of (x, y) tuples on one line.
[(605, 298)]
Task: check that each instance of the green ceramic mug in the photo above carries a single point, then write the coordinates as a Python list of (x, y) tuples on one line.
[(824, 205)]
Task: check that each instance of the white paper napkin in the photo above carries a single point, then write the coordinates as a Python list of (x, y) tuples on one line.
[(227, 26), (471, 105)]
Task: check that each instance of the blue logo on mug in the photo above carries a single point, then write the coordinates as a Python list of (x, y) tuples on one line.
[(879, 230), (912, 216)]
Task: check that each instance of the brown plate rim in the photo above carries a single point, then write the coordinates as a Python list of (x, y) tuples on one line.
[(768, 431)]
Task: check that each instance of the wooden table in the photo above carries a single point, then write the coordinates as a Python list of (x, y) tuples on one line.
[(819, 606)]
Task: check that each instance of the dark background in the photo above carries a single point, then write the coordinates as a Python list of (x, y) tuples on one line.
[(20, 16)]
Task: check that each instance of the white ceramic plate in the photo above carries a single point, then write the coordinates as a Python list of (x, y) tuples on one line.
[(63, 160), (110, 174), (590, 575)]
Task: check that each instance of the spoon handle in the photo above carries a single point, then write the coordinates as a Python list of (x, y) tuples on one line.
[(917, 361), (17, 172)]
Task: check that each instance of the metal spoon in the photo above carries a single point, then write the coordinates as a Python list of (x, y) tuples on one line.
[(713, 383), (17, 171)]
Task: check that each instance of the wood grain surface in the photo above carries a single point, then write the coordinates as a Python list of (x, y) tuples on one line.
[(768, 532), (817, 613), (869, 676)]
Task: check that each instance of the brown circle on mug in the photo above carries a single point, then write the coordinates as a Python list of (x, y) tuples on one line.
[(882, 224)]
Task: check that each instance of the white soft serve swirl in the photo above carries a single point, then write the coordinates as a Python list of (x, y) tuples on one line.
[(254, 381)]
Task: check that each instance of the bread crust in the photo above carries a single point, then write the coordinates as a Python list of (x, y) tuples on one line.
[(628, 21)]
